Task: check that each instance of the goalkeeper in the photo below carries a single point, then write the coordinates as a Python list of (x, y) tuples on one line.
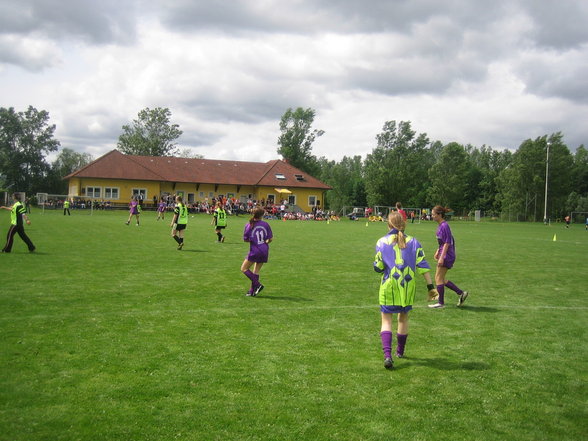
[(399, 258)]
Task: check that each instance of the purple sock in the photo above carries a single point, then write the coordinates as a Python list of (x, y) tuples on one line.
[(441, 291), (401, 343), (249, 275), (386, 337), (453, 287)]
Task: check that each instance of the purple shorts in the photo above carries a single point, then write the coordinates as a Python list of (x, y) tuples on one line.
[(394, 309), (257, 257), (448, 263)]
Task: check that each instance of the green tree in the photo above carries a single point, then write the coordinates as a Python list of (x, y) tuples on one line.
[(25, 139), (67, 162), (151, 134), (521, 185), (297, 137), (396, 170), (450, 178), (346, 178)]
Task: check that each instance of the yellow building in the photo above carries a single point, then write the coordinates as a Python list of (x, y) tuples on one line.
[(117, 178)]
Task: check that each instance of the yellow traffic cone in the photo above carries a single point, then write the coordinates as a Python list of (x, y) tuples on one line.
[(366, 224), (555, 237)]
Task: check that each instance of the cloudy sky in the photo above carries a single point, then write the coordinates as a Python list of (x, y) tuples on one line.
[(472, 71)]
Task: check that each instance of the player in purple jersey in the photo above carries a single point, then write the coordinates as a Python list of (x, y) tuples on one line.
[(259, 234), (134, 209), (399, 258), (161, 209), (445, 256)]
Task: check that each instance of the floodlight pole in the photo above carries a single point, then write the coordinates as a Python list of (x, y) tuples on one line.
[(546, 183)]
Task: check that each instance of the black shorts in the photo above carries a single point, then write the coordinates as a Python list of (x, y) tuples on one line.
[(216, 227), (179, 227)]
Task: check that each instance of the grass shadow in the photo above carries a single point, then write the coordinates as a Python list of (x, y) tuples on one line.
[(195, 251), (442, 364), (290, 299), (478, 308)]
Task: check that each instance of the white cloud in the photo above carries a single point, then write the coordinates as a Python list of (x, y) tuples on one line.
[(458, 70)]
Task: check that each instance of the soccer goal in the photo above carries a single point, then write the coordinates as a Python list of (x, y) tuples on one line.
[(579, 217)]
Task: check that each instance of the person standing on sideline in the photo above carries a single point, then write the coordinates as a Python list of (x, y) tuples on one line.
[(445, 257), (400, 210), (134, 209), (398, 258), (587, 223), (66, 208), (161, 209), (259, 235), (219, 220), (17, 215), (179, 222)]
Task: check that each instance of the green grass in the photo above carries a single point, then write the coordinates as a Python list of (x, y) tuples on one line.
[(109, 333)]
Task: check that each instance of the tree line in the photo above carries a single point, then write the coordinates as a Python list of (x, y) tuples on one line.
[(408, 167), (403, 166)]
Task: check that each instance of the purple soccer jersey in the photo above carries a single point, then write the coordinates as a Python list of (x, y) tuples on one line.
[(161, 207), (444, 236), (134, 207), (256, 235)]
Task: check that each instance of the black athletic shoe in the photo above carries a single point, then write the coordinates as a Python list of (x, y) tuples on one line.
[(462, 298), (258, 289), (180, 246), (388, 363)]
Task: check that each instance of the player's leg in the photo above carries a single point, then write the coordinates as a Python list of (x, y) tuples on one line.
[(257, 285), (9, 239), (386, 338), (401, 333), (25, 238), (245, 269), (440, 282)]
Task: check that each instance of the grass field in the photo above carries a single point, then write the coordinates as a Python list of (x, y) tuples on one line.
[(109, 333)]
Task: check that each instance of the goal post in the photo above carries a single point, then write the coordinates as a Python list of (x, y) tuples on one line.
[(579, 217)]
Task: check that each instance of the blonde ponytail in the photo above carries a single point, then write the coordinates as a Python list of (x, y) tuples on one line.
[(397, 222)]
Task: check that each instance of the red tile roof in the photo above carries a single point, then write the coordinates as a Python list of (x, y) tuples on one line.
[(115, 165)]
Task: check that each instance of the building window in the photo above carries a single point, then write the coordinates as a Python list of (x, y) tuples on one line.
[(93, 192), (140, 193), (190, 198), (201, 195), (292, 199), (311, 201), (299, 177), (280, 176), (271, 198), (111, 193)]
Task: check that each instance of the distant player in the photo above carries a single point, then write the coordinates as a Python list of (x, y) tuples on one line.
[(259, 235), (161, 209), (17, 216), (179, 222), (445, 256), (567, 219), (586, 223), (398, 258), (400, 210), (66, 208), (219, 220), (134, 209)]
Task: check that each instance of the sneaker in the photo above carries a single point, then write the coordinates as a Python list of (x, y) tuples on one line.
[(180, 246), (127, 223), (258, 289), (388, 363), (462, 298), (437, 305)]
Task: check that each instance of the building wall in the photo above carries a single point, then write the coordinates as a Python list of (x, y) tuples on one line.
[(120, 191)]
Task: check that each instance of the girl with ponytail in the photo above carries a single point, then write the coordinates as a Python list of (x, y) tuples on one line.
[(399, 258), (445, 257)]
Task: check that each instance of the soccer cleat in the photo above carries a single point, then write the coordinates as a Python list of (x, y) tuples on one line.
[(399, 355), (127, 223), (437, 305), (223, 239), (258, 289), (462, 298), (180, 246), (388, 363)]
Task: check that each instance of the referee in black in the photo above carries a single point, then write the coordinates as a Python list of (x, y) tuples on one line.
[(18, 214)]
